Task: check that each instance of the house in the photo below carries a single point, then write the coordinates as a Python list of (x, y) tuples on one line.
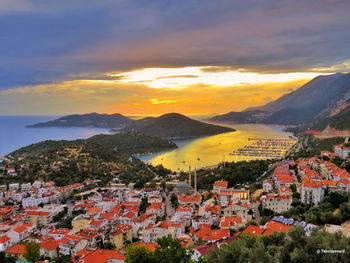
[(212, 235), (81, 222), (311, 191), (164, 228), (218, 185), (194, 199), (277, 203), (5, 243), (155, 208), (49, 248), (59, 233), (102, 256), (231, 222), (70, 245), (17, 251), (40, 218), (267, 186), (21, 232), (121, 236), (343, 185)]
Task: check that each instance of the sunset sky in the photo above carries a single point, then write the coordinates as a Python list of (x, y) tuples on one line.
[(152, 57)]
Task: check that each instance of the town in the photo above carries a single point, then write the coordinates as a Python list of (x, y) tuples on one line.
[(89, 222)]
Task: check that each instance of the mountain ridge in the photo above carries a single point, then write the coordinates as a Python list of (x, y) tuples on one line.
[(323, 101)]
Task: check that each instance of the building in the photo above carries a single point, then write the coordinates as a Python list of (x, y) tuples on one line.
[(161, 229), (81, 222), (102, 256), (5, 243), (311, 192), (40, 218), (194, 199), (49, 248), (277, 203), (218, 185), (121, 236)]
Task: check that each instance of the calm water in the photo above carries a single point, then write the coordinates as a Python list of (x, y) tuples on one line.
[(208, 151), (14, 135)]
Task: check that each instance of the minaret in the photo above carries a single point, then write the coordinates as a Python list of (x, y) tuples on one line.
[(189, 175), (195, 181)]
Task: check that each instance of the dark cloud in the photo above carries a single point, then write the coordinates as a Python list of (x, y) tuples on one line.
[(45, 41)]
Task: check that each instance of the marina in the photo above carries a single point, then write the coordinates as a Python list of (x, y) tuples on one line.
[(265, 147), (248, 142)]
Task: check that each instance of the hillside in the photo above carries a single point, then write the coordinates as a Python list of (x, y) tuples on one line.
[(253, 116), (319, 100), (74, 161), (93, 120), (174, 125)]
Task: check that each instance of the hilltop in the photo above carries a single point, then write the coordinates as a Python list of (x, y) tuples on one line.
[(175, 125), (73, 161), (91, 120)]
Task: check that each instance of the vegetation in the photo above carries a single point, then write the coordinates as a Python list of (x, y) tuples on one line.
[(309, 145), (236, 173), (294, 246), (175, 125), (333, 209), (67, 162), (168, 251), (33, 252)]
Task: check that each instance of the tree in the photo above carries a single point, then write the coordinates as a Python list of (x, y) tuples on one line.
[(33, 252), (108, 245), (144, 204), (170, 250), (174, 201), (139, 254)]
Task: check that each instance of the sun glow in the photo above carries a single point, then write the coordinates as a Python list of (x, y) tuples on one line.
[(180, 78)]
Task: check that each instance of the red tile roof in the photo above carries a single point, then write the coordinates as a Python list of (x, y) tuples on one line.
[(4, 239), (101, 256), (49, 245), (277, 226), (221, 184), (253, 230), (228, 221), (189, 198), (17, 249), (150, 246)]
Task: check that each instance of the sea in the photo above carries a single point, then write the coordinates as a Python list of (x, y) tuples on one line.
[(14, 134), (192, 153)]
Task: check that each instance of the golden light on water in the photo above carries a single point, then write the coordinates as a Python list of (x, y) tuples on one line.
[(211, 150)]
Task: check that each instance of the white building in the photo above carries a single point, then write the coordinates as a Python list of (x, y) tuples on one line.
[(277, 203), (311, 192)]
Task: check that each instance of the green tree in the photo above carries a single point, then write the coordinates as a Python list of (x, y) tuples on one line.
[(139, 254), (174, 201), (144, 204), (33, 252), (170, 250)]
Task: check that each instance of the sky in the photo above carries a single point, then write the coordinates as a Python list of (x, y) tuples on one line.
[(152, 57)]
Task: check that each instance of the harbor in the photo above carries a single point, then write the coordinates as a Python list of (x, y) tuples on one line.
[(265, 148)]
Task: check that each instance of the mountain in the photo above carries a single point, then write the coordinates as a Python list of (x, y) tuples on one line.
[(172, 125), (253, 116), (93, 120), (67, 162), (320, 100)]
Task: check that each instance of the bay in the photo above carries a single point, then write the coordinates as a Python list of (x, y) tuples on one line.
[(211, 150)]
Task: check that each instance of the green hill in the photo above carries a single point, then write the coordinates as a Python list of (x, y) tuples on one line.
[(174, 125), (93, 120), (74, 161)]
